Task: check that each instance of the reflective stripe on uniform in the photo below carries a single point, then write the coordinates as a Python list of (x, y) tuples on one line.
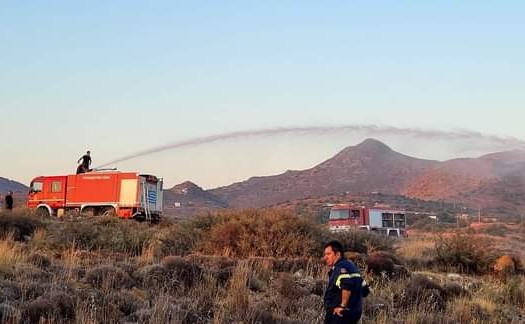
[(346, 276)]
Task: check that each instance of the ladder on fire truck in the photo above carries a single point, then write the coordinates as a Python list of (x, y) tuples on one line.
[(147, 211)]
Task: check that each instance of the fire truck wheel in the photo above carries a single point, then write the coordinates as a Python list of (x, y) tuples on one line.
[(42, 212), (89, 211), (108, 211)]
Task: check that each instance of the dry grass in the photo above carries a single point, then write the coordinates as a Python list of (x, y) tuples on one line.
[(415, 248), (71, 258), (236, 300), (265, 269), (148, 254), (10, 255), (39, 239)]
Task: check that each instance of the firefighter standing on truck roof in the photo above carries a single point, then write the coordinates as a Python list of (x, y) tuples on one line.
[(343, 296), (86, 163)]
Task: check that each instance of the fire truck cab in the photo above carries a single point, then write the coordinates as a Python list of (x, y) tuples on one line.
[(124, 194)]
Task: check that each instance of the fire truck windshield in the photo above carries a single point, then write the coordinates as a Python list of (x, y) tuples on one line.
[(36, 186), (339, 214)]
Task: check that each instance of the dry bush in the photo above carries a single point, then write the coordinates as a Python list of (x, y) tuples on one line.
[(219, 267), (9, 314), (39, 260), (287, 288), (157, 278), (506, 266), (318, 288), (27, 273), (142, 315), (215, 262), (126, 301), (195, 307), (512, 292), (108, 277), (127, 266), (19, 224), (453, 290), (463, 253), (184, 271), (423, 292), (290, 264), (355, 257), (10, 290), (256, 315), (223, 275), (31, 290), (56, 307), (152, 276), (382, 263)]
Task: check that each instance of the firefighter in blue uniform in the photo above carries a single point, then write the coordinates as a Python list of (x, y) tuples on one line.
[(343, 299)]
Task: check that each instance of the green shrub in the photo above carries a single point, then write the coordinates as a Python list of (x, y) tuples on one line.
[(183, 238), (54, 307), (462, 253), (496, 230), (108, 277), (266, 233), (361, 241), (101, 233)]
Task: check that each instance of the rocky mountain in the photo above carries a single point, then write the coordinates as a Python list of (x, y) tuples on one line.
[(368, 167), (11, 185), (490, 181), (188, 199)]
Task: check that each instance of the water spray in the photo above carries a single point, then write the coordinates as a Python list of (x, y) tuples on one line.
[(505, 142)]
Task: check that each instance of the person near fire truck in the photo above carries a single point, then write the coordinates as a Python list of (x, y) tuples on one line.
[(9, 201), (86, 163), (343, 298)]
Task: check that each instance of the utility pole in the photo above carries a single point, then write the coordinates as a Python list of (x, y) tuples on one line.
[(479, 214)]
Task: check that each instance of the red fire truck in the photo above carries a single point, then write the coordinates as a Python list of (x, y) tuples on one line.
[(125, 194), (380, 220)]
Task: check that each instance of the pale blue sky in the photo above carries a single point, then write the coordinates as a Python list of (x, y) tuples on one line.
[(120, 76)]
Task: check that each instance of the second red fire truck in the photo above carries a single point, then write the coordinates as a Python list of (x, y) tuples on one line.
[(384, 221)]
